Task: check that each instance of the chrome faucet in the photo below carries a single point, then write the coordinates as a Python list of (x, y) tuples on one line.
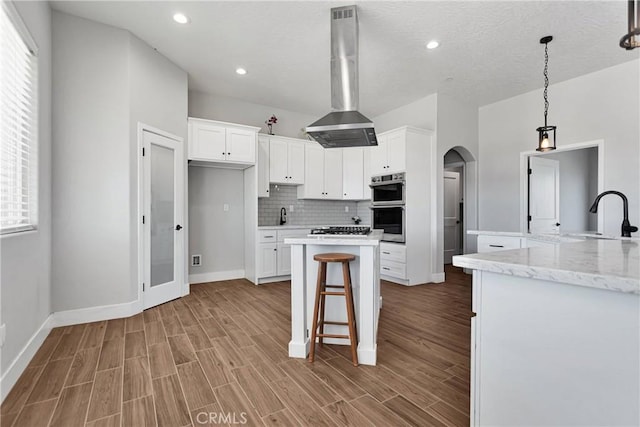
[(283, 216), (627, 228)]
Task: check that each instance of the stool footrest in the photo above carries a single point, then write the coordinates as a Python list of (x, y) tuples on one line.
[(336, 323), (333, 293), (334, 286), (333, 336)]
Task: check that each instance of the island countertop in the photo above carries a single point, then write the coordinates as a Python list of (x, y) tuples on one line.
[(605, 264), (371, 239)]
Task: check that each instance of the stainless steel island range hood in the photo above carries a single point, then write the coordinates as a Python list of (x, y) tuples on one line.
[(345, 126)]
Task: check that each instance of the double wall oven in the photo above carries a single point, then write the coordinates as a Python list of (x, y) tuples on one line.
[(387, 206)]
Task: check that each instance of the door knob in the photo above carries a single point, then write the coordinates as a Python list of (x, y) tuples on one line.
[(178, 227), (557, 224)]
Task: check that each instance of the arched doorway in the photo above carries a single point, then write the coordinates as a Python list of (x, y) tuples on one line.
[(457, 160)]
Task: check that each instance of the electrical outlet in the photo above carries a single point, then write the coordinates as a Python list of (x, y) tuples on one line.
[(3, 334), (196, 260), (225, 207), (290, 208), (346, 208)]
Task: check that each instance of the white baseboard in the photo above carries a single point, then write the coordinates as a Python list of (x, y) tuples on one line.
[(437, 277), (95, 314), (216, 276), (20, 363), (273, 279)]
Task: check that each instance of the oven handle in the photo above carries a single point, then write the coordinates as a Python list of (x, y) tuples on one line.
[(378, 184), (386, 207)]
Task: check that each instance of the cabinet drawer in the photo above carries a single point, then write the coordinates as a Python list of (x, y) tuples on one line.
[(393, 269), (497, 243), (393, 252), (267, 236), (284, 234)]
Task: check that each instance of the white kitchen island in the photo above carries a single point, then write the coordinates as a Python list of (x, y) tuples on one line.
[(365, 278), (556, 336)]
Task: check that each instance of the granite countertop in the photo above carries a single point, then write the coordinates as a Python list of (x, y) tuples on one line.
[(597, 263), (371, 239)]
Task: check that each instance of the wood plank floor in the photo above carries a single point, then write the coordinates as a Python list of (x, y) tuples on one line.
[(219, 356)]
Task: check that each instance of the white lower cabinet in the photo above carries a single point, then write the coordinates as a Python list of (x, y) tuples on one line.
[(284, 259), (273, 255), (490, 243), (267, 259), (393, 260)]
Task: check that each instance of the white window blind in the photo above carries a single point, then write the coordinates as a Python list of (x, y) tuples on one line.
[(18, 124)]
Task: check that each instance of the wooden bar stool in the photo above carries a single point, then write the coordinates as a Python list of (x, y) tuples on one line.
[(321, 293)]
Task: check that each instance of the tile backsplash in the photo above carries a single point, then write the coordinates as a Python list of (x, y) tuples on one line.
[(308, 212)]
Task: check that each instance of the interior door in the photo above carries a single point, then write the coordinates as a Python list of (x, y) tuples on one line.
[(163, 183), (544, 195), (451, 215)]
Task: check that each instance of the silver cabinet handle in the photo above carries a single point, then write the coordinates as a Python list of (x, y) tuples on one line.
[(385, 268), (386, 253), (496, 246)]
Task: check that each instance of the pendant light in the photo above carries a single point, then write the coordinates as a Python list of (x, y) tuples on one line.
[(631, 40), (546, 134)]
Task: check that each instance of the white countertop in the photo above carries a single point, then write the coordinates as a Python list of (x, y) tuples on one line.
[(302, 227), (561, 237), (597, 263), (371, 239)]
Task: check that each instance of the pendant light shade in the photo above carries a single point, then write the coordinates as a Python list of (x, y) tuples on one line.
[(631, 40), (546, 133)]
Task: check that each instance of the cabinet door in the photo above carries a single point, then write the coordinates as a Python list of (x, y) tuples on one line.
[(267, 256), (284, 259), (295, 163), (366, 178), (241, 146), (332, 172), (207, 142), (263, 167), (314, 172), (378, 156), (396, 149), (278, 155), (352, 173)]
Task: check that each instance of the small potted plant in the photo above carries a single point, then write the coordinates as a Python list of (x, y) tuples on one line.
[(272, 121)]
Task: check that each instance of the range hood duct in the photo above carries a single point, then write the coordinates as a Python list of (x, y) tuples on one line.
[(345, 126)]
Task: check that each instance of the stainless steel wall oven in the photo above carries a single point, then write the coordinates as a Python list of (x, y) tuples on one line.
[(388, 206)]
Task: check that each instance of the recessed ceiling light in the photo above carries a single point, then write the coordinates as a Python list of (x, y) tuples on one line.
[(181, 18), (241, 71), (432, 44)]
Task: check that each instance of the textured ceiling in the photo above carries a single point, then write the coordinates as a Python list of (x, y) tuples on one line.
[(489, 50)]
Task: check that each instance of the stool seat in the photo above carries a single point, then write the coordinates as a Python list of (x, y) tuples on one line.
[(317, 328), (334, 257)]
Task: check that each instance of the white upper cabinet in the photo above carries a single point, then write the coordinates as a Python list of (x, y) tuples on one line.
[(222, 143), (390, 154), (263, 166), (286, 160), (353, 173), (323, 173)]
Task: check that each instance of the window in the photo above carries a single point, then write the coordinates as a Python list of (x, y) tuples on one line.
[(18, 124)]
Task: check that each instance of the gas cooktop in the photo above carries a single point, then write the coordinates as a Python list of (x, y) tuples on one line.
[(343, 231)]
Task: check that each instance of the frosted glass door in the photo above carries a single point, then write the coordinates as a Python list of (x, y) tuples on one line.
[(162, 222), (162, 219)]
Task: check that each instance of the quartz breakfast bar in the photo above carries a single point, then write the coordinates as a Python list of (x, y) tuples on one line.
[(556, 336), (365, 277)]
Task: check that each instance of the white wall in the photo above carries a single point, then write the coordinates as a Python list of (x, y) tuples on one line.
[(158, 98), (231, 110), (25, 271), (576, 188), (601, 105), (216, 234), (105, 81), (91, 176), (421, 114)]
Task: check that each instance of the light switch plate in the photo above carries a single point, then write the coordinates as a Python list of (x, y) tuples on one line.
[(225, 207), (3, 334)]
